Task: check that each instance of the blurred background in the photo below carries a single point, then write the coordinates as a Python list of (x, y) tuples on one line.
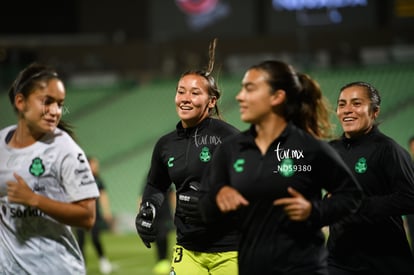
[(121, 61)]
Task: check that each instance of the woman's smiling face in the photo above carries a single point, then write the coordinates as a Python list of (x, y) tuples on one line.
[(192, 101), (354, 111), (42, 110)]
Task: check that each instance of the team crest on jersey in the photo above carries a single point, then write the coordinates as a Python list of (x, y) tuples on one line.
[(172, 272), (205, 155), (37, 168), (361, 166), (286, 168)]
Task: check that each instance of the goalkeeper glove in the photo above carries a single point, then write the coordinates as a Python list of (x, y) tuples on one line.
[(144, 223), (187, 204)]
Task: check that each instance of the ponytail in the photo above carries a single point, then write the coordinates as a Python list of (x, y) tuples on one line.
[(213, 89), (314, 109), (304, 105)]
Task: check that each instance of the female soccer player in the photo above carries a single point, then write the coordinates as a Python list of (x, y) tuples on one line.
[(46, 184), (272, 175), (372, 241), (181, 157)]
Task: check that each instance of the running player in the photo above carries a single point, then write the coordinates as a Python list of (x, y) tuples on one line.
[(181, 157), (273, 174), (373, 241), (46, 184)]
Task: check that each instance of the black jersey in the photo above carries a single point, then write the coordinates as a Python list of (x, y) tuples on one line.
[(181, 157), (374, 240), (270, 243)]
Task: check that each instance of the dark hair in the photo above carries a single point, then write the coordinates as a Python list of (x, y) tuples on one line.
[(305, 105), (372, 92), (28, 80), (213, 89)]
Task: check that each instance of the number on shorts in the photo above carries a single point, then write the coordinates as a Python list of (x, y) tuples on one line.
[(178, 255)]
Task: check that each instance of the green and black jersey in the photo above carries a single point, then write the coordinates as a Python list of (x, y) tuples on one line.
[(374, 240), (181, 157), (271, 243)]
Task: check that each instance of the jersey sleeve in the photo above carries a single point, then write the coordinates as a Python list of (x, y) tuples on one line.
[(398, 170), (158, 180), (345, 194), (77, 178)]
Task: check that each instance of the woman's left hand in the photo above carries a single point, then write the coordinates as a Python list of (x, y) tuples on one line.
[(296, 207)]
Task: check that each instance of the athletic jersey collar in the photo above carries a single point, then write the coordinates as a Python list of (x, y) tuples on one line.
[(186, 132), (249, 135), (46, 138), (350, 141)]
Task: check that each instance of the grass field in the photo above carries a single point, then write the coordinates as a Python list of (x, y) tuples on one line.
[(126, 251)]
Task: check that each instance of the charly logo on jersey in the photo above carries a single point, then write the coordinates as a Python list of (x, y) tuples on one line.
[(81, 158), (205, 155), (238, 165), (361, 166), (37, 168), (170, 162)]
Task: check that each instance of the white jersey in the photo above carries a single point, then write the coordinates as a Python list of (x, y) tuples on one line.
[(32, 242)]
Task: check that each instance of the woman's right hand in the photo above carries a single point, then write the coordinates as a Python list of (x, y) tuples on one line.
[(19, 192), (229, 199)]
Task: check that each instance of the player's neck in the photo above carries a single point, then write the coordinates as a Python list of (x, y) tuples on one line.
[(22, 137), (268, 131)]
